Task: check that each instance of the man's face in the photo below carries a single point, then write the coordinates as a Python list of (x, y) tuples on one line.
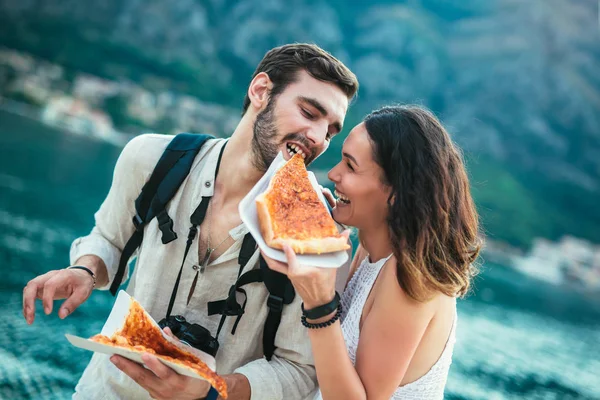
[(302, 119)]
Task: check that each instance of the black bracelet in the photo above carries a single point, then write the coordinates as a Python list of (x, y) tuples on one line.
[(325, 324), (212, 394), (321, 311), (86, 269)]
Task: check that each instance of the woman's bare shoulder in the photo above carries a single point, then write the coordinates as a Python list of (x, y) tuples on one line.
[(392, 297)]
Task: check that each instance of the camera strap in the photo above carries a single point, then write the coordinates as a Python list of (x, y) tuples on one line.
[(195, 219)]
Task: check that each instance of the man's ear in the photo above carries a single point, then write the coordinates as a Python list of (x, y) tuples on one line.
[(259, 90)]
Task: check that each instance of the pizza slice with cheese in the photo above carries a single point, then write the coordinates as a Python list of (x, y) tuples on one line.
[(290, 212), (140, 334)]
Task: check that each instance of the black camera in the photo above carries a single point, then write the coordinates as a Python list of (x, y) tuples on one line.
[(194, 335)]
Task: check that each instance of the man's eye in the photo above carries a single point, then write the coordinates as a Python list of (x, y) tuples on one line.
[(328, 136), (307, 114)]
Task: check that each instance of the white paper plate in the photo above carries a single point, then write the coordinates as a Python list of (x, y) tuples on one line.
[(115, 321), (248, 213)]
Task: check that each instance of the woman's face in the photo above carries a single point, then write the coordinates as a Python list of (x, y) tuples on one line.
[(361, 194)]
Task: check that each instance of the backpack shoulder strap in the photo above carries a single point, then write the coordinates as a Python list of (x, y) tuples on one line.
[(281, 292), (170, 171)]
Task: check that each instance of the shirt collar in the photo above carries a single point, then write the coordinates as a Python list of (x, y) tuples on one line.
[(205, 170), (238, 232), (208, 172)]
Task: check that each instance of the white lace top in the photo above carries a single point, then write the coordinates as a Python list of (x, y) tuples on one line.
[(428, 387)]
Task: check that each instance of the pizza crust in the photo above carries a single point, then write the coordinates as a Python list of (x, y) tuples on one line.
[(314, 246), (264, 218)]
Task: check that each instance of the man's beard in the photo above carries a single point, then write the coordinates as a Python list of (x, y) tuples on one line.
[(265, 133), (264, 148)]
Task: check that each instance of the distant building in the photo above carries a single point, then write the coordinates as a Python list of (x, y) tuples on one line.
[(142, 106), (544, 262), (570, 261), (34, 87), (76, 116), (94, 89), (50, 72), (582, 262), (498, 252), (19, 61)]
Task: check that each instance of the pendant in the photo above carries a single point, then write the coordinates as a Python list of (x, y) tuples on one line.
[(206, 259)]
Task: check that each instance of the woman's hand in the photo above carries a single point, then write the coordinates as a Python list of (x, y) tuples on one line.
[(328, 196), (315, 285)]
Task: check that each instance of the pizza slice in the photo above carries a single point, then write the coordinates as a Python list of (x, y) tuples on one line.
[(140, 334), (290, 211)]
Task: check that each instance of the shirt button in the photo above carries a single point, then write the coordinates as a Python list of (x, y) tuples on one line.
[(207, 184), (195, 268)]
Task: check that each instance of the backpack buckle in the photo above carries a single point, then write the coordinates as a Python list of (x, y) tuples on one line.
[(275, 303), (138, 222), (232, 307), (165, 224)]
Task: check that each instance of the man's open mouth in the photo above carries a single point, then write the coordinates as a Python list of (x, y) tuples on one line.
[(294, 149)]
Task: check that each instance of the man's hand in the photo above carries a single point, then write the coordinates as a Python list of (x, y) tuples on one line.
[(160, 381), (163, 382), (74, 285)]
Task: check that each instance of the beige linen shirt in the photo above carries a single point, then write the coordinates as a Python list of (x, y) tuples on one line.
[(289, 375)]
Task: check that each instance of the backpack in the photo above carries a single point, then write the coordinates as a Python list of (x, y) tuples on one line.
[(169, 173)]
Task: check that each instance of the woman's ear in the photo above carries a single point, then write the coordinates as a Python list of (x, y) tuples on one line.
[(392, 199), (259, 90)]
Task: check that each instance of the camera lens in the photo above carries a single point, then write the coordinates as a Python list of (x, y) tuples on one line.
[(179, 318)]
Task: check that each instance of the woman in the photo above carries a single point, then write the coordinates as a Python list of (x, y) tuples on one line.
[(402, 183)]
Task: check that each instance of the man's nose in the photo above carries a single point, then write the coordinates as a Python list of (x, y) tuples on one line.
[(317, 135)]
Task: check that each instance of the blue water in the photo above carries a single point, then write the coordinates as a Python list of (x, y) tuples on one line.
[(516, 338)]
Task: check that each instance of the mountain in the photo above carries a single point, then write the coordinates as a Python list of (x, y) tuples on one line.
[(516, 83)]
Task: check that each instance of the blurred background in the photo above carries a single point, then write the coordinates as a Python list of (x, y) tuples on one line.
[(517, 83)]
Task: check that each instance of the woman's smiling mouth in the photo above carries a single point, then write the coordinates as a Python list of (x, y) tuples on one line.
[(341, 198)]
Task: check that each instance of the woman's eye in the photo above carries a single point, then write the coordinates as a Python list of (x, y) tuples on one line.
[(350, 166)]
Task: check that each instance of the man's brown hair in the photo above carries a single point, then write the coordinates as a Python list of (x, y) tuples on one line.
[(283, 63)]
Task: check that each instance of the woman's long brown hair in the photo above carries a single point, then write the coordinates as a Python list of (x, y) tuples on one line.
[(432, 218)]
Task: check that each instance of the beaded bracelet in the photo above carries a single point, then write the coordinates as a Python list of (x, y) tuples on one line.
[(325, 324)]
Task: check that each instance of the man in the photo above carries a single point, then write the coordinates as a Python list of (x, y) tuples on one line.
[(296, 102)]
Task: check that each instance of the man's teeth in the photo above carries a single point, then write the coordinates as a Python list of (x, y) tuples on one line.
[(341, 197), (293, 149)]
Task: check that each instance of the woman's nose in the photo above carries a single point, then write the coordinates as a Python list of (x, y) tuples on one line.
[(333, 175)]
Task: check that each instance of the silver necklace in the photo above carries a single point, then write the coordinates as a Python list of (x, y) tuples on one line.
[(209, 250)]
